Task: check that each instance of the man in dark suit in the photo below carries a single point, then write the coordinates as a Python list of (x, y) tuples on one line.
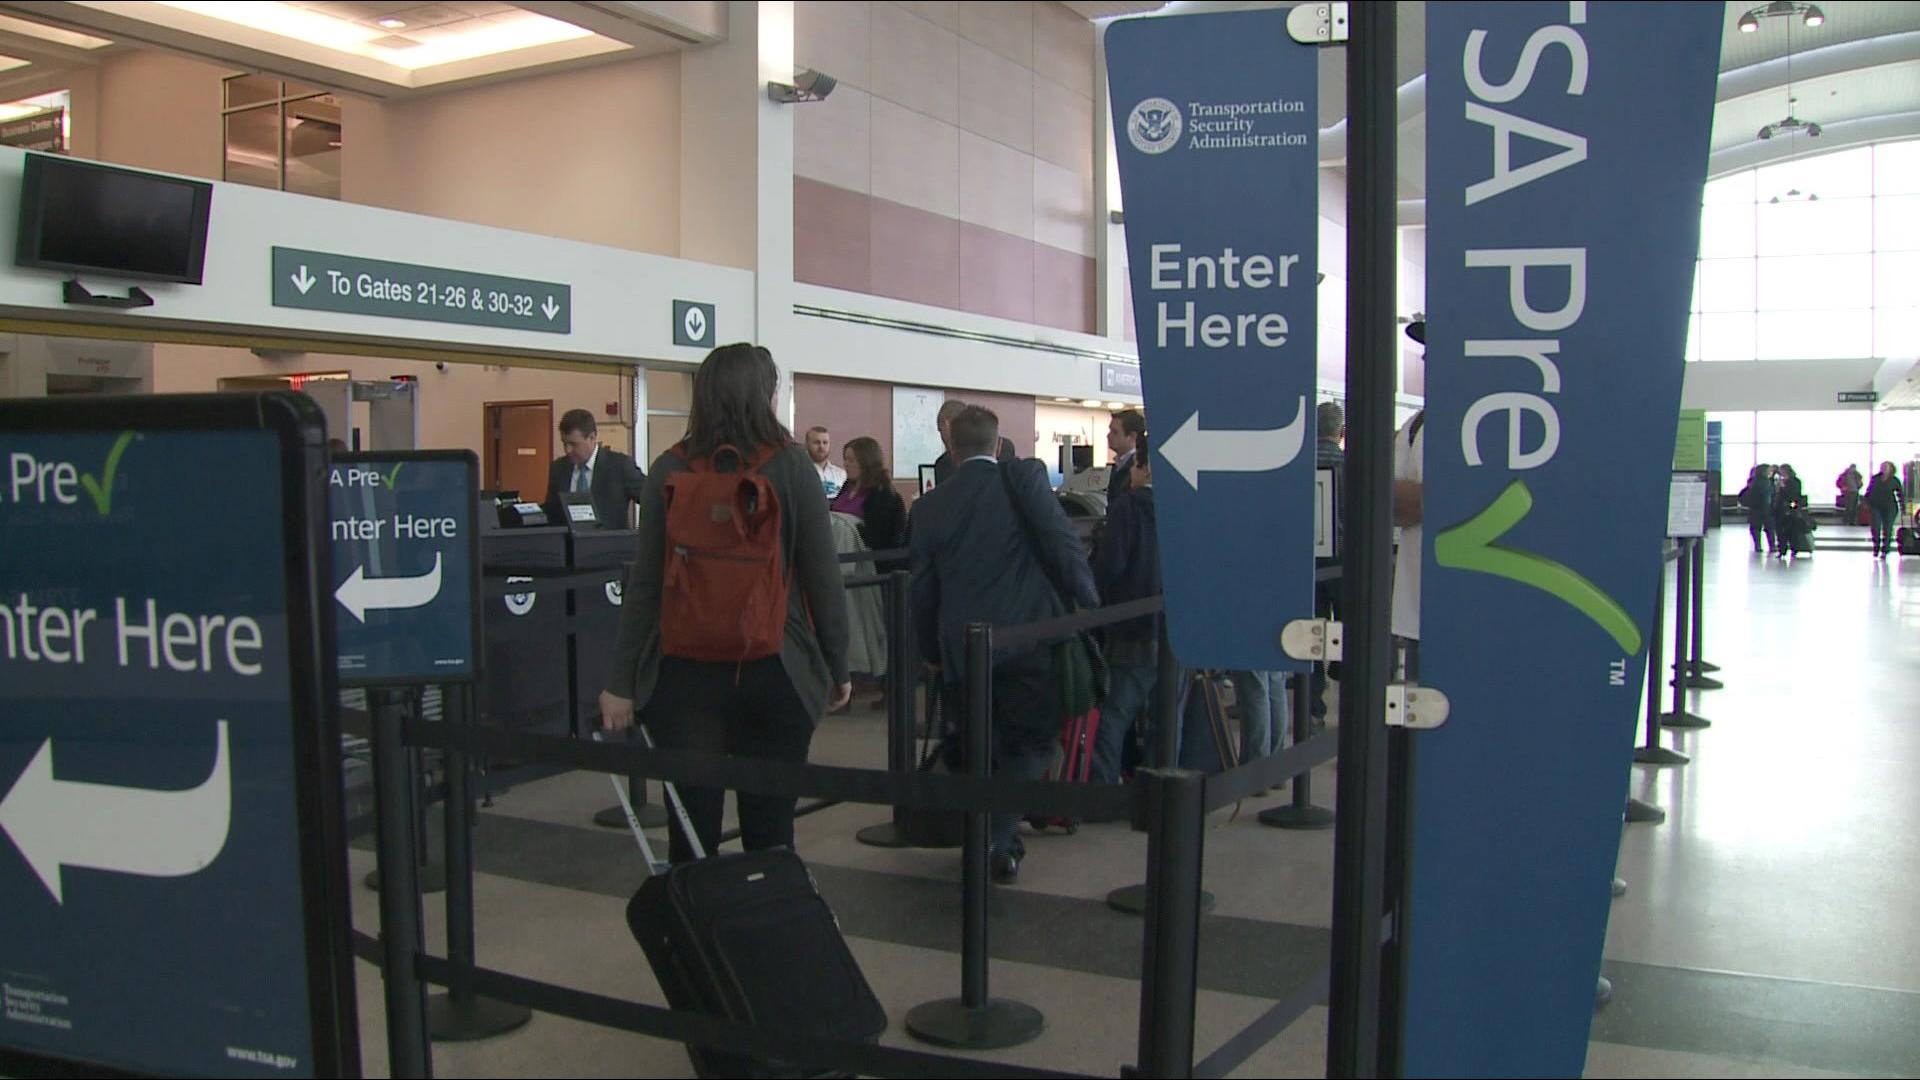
[(609, 475), (946, 463), (975, 561), (1123, 438)]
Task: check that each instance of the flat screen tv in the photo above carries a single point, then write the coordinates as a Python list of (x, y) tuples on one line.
[(86, 218)]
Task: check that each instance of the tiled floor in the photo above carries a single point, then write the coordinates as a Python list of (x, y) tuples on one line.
[(1769, 930)]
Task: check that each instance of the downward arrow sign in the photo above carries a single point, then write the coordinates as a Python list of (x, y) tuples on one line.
[(1193, 449), (125, 830), (303, 280), (550, 308), (360, 593)]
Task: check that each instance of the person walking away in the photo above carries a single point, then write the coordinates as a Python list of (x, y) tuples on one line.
[(733, 633), (1849, 483), (1127, 567), (1757, 497)]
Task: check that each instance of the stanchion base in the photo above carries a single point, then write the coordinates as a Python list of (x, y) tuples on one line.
[(1659, 755), (432, 878), (1132, 900), (1619, 888), (1297, 817), (614, 817), (883, 835), (994, 1026), (1684, 720), (1702, 682), (1639, 813), (1704, 666), (476, 1018)]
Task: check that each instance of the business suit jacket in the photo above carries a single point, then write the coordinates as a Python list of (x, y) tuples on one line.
[(972, 561), (1122, 477), (616, 482), (943, 466)]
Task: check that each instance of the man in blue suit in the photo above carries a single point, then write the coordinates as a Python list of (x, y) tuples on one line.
[(988, 545)]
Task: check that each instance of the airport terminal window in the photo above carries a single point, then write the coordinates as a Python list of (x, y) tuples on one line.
[(1818, 444), (282, 135), (1811, 259)]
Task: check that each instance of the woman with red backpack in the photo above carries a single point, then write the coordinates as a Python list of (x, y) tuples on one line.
[(733, 629)]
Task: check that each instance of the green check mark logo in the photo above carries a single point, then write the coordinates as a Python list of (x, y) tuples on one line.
[(1471, 546), (101, 490), (395, 474)]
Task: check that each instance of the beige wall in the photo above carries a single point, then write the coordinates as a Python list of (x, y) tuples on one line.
[(158, 111), (590, 155), (452, 402)]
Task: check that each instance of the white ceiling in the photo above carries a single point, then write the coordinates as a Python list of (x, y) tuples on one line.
[(343, 46)]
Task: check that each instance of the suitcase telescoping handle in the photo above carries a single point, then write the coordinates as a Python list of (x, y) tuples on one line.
[(654, 865)]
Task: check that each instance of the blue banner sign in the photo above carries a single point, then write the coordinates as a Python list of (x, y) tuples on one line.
[(1217, 118), (170, 870), (1566, 153), (405, 566)]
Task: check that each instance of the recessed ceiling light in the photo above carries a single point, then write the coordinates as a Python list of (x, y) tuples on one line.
[(393, 24)]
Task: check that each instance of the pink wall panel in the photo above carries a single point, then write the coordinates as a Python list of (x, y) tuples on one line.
[(832, 236)]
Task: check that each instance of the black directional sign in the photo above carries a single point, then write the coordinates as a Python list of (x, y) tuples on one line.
[(405, 566), (693, 324), (173, 876), (326, 281)]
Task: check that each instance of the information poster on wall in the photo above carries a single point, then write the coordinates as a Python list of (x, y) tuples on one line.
[(916, 429)]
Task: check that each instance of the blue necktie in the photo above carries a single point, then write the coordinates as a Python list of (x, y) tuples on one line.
[(581, 479)]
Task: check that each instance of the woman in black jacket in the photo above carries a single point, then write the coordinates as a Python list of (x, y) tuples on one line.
[(869, 495), (1885, 498), (1789, 497)]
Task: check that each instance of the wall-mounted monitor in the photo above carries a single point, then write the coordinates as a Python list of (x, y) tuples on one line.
[(81, 217)]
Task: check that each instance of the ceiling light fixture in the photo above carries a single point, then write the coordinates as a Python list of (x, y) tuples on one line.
[(1810, 14), (394, 24)]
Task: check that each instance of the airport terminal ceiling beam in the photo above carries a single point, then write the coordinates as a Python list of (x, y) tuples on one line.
[(689, 22), (263, 338)]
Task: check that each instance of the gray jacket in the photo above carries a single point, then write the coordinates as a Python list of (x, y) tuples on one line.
[(815, 651)]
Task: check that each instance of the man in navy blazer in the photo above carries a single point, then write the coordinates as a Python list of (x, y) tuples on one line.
[(973, 561)]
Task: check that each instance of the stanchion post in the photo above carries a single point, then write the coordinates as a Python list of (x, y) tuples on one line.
[(1679, 717), (1300, 813), (901, 685), (1651, 752), (1169, 965), (1132, 899), (1363, 985), (1696, 666), (400, 915), (974, 1020), (460, 1015)]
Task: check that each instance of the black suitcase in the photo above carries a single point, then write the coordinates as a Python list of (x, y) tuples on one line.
[(1907, 541), (749, 937)]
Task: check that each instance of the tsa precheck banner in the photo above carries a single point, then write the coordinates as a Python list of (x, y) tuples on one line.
[(1216, 118), (1566, 153)]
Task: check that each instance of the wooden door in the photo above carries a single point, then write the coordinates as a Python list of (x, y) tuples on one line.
[(520, 442)]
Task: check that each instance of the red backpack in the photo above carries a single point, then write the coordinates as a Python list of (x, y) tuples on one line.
[(724, 595)]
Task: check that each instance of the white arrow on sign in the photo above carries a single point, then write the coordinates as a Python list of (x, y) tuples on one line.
[(550, 308), (696, 323), (360, 593), (1193, 449), (125, 830), (303, 280)]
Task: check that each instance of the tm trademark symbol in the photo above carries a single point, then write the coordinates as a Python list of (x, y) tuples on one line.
[(1617, 673)]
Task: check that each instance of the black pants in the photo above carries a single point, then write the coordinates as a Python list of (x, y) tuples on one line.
[(748, 710), (1025, 729)]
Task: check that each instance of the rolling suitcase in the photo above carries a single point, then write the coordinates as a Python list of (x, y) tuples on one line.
[(1074, 765), (1906, 540), (748, 937)]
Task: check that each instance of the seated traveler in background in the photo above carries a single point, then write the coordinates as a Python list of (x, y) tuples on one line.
[(610, 476), (989, 544), (820, 452), (943, 466), (706, 678)]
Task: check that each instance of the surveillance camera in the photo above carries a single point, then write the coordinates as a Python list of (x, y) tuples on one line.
[(1813, 131), (1767, 132), (807, 85), (439, 365)]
